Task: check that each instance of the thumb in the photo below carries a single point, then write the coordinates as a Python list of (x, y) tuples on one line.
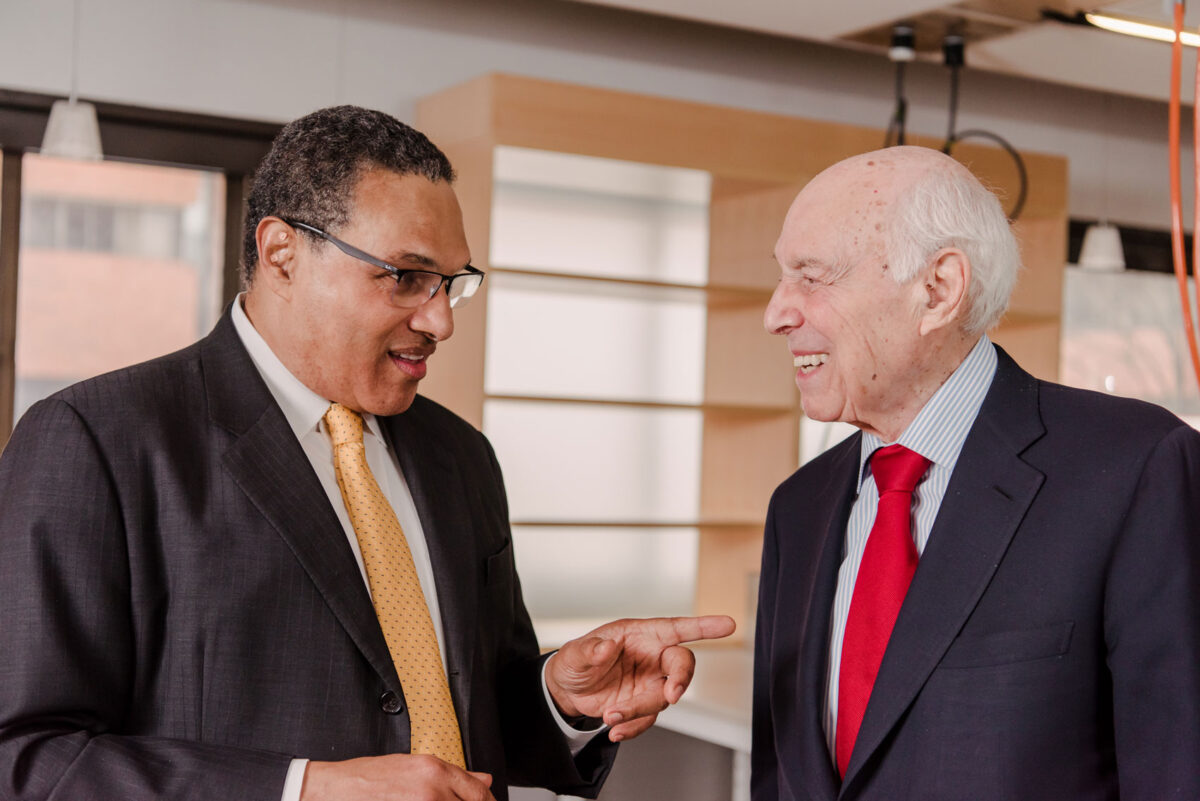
[(486, 778), (603, 652), (588, 653), (575, 668)]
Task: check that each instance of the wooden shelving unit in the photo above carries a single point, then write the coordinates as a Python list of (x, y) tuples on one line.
[(757, 163)]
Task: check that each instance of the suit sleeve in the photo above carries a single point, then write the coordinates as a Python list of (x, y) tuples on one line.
[(67, 670), (764, 770), (1152, 627), (537, 753)]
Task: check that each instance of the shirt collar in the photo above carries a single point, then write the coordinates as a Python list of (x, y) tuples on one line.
[(303, 408), (941, 427)]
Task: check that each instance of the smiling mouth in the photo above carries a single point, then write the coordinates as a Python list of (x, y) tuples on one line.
[(810, 361), (412, 363)]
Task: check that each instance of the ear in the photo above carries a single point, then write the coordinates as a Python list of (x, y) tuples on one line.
[(943, 290), (278, 244)]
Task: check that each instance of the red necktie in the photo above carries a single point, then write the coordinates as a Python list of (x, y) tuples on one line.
[(886, 570)]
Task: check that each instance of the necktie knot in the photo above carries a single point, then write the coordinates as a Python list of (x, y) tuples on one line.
[(897, 469), (345, 425)]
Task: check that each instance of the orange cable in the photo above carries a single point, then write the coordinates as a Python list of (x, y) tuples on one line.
[(1177, 251), (1193, 340)]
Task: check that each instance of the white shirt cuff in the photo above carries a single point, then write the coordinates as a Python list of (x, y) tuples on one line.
[(576, 738), (294, 782)]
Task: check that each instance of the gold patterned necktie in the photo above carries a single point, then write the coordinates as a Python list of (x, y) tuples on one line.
[(399, 603)]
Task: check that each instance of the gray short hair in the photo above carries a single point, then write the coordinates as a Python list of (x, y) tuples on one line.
[(951, 208)]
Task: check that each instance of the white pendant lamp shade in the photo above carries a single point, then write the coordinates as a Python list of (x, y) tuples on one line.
[(1101, 249), (72, 131)]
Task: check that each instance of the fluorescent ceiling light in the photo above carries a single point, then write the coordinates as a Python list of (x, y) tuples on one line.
[(1137, 27)]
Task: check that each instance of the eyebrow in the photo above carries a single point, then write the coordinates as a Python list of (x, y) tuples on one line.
[(420, 261), (808, 261), (411, 258)]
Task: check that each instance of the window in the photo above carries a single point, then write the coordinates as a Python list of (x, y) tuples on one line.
[(1123, 334), (118, 263), (115, 262)]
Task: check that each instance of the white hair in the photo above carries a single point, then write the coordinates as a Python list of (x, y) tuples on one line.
[(950, 208)]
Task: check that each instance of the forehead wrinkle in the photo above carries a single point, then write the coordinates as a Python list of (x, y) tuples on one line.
[(850, 204), (832, 256)]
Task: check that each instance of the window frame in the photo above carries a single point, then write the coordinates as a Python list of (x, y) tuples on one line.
[(228, 145)]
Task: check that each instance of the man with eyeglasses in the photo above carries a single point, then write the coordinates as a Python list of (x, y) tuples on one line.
[(264, 568)]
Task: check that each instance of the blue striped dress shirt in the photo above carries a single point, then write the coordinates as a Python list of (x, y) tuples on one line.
[(937, 433)]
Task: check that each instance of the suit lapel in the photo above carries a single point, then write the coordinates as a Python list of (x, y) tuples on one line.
[(268, 464), (814, 770), (440, 497), (987, 498)]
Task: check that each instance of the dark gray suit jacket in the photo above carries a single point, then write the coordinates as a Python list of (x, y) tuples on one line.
[(182, 614), (1049, 646)]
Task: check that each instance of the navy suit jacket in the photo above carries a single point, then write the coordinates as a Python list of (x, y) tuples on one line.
[(1049, 645), (182, 614)]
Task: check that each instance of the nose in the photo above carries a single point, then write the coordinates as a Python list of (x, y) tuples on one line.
[(783, 311), (434, 318)]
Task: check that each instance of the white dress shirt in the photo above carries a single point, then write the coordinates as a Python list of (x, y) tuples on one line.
[(937, 433), (305, 412)]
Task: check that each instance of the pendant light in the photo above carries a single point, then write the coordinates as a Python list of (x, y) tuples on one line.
[(73, 132)]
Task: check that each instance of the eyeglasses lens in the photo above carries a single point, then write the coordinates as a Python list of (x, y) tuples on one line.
[(415, 288), (462, 287)]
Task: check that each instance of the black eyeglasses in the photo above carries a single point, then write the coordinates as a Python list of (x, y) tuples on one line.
[(413, 287)]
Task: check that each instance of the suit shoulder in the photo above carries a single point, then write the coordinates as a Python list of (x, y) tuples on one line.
[(467, 445), (445, 422), (162, 382), (439, 414), (1117, 419), (1106, 438), (118, 413)]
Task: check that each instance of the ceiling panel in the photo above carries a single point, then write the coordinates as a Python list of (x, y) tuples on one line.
[(805, 19), (1003, 35), (1084, 57)]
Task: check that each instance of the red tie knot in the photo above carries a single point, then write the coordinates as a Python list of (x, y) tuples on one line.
[(897, 469)]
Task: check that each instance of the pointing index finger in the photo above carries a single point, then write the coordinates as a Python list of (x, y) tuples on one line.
[(676, 630)]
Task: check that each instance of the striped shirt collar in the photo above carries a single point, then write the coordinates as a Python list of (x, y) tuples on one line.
[(940, 428)]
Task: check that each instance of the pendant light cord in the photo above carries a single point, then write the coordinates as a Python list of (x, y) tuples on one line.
[(74, 96)]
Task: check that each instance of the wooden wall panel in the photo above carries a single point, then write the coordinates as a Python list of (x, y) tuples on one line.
[(746, 455), (456, 371), (744, 221), (1034, 345), (758, 162), (727, 577), (1044, 253), (744, 365)]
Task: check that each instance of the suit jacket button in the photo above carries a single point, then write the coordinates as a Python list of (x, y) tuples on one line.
[(390, 702)]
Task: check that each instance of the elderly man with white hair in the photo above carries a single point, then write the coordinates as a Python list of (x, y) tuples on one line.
[(992, 590)]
